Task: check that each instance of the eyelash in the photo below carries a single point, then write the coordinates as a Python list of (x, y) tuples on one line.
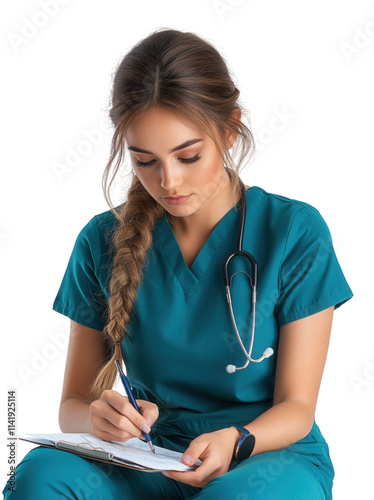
[(183, 160)]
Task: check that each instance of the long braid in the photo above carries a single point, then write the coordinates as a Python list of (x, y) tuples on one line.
[(131, 241)]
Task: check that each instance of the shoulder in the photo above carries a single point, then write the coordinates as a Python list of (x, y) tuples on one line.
[(283, 203), (290, 213), (98, 231), (106, 219), (297, 231)]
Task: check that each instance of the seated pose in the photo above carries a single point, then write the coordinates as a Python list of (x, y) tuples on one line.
[(224, 355)]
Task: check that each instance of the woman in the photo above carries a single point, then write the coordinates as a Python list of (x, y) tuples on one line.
[(144, 282)]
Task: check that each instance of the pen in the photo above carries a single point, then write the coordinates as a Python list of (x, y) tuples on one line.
[(130, 395)]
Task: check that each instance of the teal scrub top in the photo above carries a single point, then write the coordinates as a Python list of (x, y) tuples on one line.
[(180, 337)]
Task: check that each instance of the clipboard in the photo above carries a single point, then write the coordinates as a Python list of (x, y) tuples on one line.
[(86, 450)]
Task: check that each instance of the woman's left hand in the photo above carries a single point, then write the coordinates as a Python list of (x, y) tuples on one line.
[(215, 449)]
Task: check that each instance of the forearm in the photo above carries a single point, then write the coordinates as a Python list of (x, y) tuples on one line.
[(280, 426), (74, 416)]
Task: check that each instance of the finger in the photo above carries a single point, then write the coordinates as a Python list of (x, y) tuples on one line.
[(185, 477), (110, 420), (195, 449), (196, 477), (149, 411), (108, 436), (126, 431), (125, 408)]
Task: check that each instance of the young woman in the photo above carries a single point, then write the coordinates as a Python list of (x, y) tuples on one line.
[(145, 283)]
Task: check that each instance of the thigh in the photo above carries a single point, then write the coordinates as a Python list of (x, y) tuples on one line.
[(46, 473), (280, 475)]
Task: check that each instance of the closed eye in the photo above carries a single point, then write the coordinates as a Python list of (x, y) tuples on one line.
[(183, 160)]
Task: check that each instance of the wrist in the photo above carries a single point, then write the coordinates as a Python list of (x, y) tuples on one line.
[(236, 435), (245, 446)]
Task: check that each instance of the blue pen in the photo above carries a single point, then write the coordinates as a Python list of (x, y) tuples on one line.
[(130, 395)]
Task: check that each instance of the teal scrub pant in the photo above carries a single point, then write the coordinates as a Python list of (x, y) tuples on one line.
[(49, 474)]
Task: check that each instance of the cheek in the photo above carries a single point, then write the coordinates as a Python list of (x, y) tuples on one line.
[(144, 176), (211, 172), (147, 180)]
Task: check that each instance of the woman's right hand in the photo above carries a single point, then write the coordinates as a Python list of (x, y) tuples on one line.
[(113, 418)]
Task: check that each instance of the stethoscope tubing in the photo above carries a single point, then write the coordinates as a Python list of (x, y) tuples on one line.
[(253, 281)]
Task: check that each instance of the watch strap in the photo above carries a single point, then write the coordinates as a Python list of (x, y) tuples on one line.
[(245, 451), (244, 435)]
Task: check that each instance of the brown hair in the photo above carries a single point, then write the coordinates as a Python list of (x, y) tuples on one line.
[(182, 73)]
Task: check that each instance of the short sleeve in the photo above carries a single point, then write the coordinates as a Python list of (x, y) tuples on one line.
[(311, 278), (80, 296)]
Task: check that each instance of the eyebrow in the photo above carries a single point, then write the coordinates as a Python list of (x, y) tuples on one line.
[(182, 146)]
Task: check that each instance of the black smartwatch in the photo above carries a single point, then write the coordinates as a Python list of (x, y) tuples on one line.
[(245, 445)]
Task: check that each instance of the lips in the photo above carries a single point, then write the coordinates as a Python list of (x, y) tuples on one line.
[(177, 200), (175, 197)]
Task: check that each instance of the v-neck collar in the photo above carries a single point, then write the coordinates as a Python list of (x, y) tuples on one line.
[(189, 277)]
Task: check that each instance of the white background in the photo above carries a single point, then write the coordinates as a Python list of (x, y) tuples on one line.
[(311, 63)]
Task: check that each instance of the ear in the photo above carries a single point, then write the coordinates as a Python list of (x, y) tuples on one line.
[(234, 118)]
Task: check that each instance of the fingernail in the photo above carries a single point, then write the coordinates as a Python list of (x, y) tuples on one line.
[(165, 473), (150, 421), (187, 458), (145, 428)]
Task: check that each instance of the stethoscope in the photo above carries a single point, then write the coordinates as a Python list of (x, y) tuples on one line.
[(268, 351)]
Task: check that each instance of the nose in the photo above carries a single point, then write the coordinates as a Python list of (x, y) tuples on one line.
[(170, 178)]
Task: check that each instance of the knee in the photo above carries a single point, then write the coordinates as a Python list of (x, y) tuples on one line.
[(41, 463), (45, 473), (35, 473), (266, 476)]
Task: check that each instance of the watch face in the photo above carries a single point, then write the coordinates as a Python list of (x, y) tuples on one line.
[(246, 448)]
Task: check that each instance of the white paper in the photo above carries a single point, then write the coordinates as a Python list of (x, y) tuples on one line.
[(134, 450)]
